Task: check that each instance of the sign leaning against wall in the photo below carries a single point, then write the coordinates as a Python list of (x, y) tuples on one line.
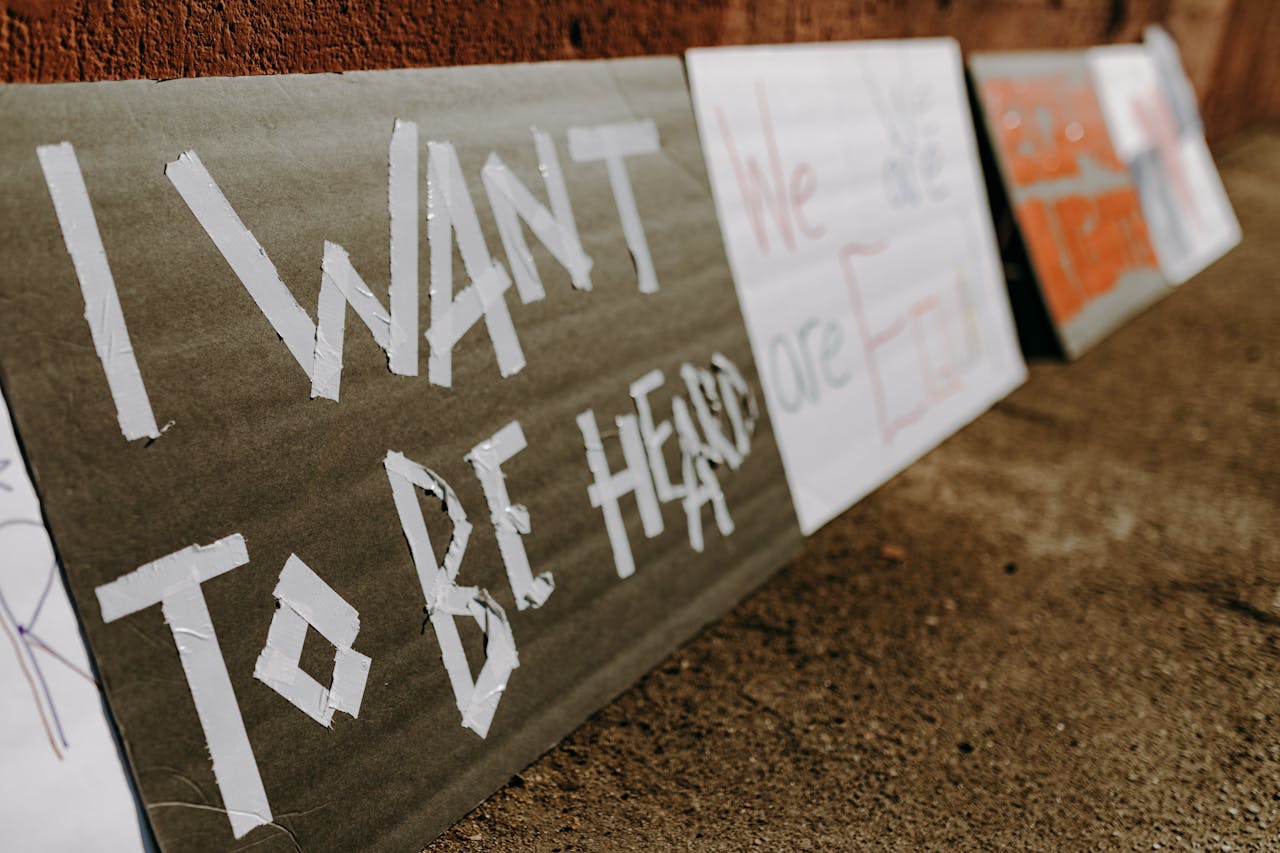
[(1074, 200), (1151, 113), (850, 194), (386, 423)]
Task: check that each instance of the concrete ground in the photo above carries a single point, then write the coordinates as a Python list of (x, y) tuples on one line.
[(1059, 630)]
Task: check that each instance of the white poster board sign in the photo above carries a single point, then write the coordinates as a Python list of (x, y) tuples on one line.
[(62, 785), (1155, 129), (851, 199)]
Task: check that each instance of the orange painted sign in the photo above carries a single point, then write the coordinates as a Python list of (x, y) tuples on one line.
[(1082, 221), (1082, 242)]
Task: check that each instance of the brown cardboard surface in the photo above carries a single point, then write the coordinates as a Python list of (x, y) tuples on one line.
[(304, 159)]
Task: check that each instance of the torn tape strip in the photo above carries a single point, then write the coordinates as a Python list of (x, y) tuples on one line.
[(637, 460), (97, 286), (477, 700), (350, 675), (149, 584), (318, 346), (396, 331), (285, 639), (307, 601), (577, 262), (613, 143), (500, 660), (402, 202), (174, 582), (654, 435), (341, 285), (325, 610), (245, 255), (278, 666), (739, 401), (404, 475), (705, 397), (450, 213), (510, 521), (511, 201), (701, 485), (608, 487), (234, 767)]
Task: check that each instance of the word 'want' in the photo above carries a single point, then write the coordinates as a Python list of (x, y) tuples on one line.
[(317, 345)]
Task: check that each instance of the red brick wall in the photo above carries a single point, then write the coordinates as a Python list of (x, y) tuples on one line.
[(45, 40)]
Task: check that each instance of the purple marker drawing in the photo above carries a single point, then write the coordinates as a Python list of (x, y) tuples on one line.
[(30, 647)]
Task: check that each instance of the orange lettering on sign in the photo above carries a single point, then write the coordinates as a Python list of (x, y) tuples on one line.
[(1046, 125), (1082, 245), (1123, 209), (1038, 224)]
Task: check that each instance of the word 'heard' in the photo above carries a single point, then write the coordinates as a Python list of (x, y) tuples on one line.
[(306, 601)]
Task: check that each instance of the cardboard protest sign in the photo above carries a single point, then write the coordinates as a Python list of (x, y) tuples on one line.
[(1075, 203), (63, 785), (851, 198), (344, 571), (1155, 127)]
